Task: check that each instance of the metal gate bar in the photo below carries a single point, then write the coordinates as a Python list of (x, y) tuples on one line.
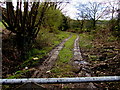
[(60, 80)]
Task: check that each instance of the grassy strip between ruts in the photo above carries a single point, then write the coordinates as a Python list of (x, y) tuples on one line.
[(62, 67), (39, 54)]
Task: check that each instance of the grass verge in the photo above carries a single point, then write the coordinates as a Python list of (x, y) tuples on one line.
[(48, 41), (86, 40)]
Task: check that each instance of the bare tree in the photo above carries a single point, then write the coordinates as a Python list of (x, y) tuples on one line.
[(93, 11), (81, 19), (118, 20), (59, 4), (23, 23), (112, 8), (112, 13)]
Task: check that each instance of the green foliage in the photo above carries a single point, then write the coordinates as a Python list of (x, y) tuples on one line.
[(49, 40), (116, 31), (111, 38), (88, 25), (59, 37), (65, 24), (86, 40), (44, 43), (81, 26), (114, 27), (74, 24), (53, 19), (1, 25), (44, 39), (93, 57), (18, 74), (33, 53), (24, 24)]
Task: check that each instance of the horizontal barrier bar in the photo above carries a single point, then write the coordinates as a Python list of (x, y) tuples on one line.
[(60, 80)]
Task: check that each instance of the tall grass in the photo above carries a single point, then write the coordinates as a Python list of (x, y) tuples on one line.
[(86, 40)]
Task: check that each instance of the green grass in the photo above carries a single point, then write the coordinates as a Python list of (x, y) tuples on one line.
[(48, 40), (111, 38), (1, 25), (93, 57), (45, 49), (18, 74), (60, 37), (62, 67), (86, 40)]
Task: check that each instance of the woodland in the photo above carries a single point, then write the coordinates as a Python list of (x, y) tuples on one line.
[(31, 30)]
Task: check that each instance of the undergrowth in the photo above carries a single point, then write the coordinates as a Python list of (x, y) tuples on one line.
[(86, 40), (45, 42)]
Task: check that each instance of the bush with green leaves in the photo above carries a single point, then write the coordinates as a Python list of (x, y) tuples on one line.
[(52, 19)]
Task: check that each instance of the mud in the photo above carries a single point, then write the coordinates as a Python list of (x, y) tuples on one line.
[(81, 66), (49, 62)]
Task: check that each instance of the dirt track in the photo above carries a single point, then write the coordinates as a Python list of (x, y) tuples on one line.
[(49, 62), (82, 67), (77, 62)]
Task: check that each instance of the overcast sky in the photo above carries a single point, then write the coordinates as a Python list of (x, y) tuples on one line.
[(70, 9)]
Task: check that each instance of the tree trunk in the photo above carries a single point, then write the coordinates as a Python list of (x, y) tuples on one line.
[(24, 24), (94, 24)]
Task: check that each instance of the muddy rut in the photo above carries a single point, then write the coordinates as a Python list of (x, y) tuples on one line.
[(80, 65), (49, 62)]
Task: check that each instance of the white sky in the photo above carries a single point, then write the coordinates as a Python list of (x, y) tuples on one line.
[(70, 9)]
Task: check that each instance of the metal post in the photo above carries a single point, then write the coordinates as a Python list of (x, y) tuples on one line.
[(60, 80)]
